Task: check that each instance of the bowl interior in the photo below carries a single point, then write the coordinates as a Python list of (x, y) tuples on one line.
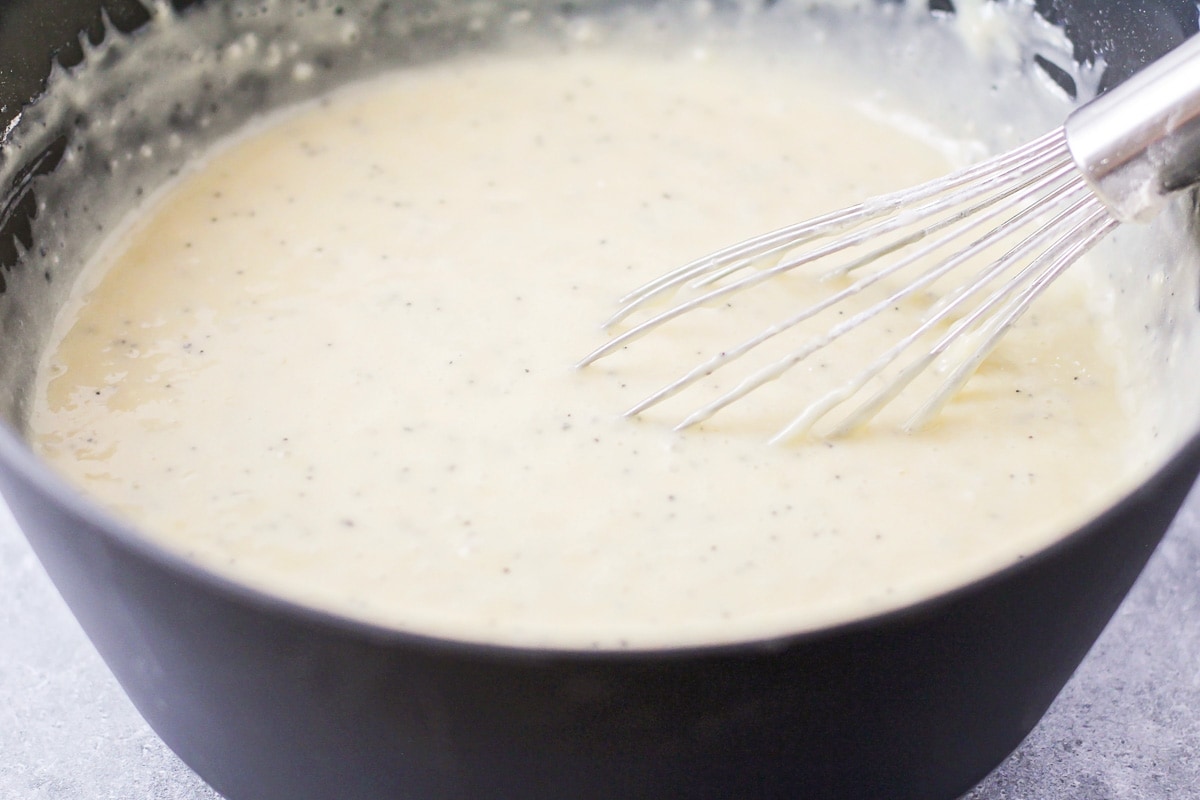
[(77, 160)]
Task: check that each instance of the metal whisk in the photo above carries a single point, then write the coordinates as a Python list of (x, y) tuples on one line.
[(1011, 225)]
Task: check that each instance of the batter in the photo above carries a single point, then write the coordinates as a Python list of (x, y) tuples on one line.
[(335, 362)]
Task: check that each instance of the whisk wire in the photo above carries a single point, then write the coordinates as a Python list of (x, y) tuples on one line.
[(943, 225), (1002, 189), (1002, 204), (1018, 162), (1071, 248), (862, 414), (867, 411)]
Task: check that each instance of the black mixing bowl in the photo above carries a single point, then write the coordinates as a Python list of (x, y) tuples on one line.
[(270, 701)]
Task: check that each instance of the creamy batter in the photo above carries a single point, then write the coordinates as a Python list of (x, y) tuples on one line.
[(335, 361)]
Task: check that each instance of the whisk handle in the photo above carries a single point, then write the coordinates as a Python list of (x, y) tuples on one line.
[(1140, 142)]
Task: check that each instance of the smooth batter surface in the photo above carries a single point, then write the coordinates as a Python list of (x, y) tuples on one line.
[(336, 360)]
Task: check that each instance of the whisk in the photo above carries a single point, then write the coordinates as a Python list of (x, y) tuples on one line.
[(1115, 160)]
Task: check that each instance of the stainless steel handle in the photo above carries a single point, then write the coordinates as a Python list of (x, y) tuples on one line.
[(1140, 142)]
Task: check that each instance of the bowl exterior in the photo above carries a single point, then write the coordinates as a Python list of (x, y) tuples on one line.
[(272, 702)]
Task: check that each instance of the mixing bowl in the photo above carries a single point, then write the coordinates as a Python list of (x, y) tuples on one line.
[(266, 699)]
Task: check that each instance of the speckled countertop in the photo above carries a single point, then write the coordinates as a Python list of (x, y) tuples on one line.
[(1127, 726)]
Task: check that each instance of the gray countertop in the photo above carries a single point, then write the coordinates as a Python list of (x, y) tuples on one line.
[(1127, 726)]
